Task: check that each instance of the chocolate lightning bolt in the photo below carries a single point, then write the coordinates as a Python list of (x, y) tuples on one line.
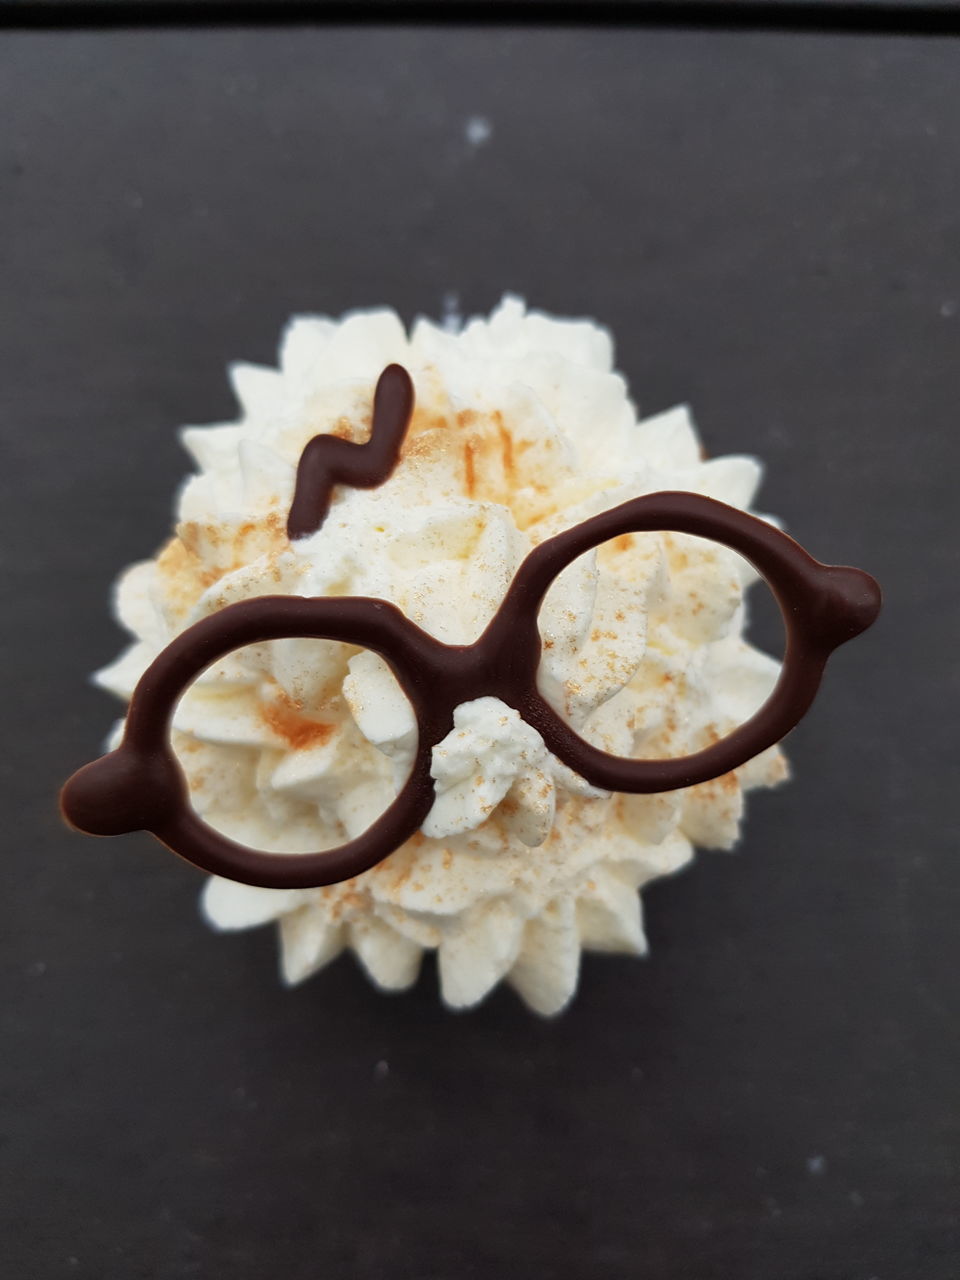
[(140, 785), (327, 460)]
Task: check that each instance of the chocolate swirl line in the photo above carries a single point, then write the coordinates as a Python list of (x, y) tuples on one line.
[(141, 786), (328, 460)]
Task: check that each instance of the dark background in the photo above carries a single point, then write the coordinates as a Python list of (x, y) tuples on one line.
[(769, 224)]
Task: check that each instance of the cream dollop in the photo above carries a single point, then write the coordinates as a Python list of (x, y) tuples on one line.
[(488, 756), (521, 429)]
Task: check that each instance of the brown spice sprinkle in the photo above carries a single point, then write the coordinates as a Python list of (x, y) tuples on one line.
[(469, 467), (346, 429), (488, 455), (182, 571), (284, 715), (184, 576), (506, 445), (354, 901), (483, 443)]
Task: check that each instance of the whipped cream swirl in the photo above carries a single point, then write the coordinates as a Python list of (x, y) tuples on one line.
[(521, 429)]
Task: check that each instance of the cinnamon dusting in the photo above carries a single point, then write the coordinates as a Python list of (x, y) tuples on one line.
[(285, 716)]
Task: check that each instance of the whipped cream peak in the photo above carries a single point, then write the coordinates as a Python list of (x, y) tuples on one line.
[(491, 758)]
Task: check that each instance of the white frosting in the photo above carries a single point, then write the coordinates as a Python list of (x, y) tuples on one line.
[(521, 429), (491, 754)]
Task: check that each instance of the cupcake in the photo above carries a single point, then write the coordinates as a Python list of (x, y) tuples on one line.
[(427, 601)]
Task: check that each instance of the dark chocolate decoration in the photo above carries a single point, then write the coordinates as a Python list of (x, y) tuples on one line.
[(327, 460), (140, 785)]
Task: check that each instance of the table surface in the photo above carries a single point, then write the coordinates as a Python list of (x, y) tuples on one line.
[(220, 10), (769, 225)]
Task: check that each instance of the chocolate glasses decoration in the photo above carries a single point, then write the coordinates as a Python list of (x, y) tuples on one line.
[(140, 785)]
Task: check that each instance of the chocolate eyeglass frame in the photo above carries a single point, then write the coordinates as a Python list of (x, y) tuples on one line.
[(140, 785)]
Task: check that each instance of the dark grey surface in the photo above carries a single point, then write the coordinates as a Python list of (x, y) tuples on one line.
[(770, 227), (891, 17), (448, 8), (452, 5)]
